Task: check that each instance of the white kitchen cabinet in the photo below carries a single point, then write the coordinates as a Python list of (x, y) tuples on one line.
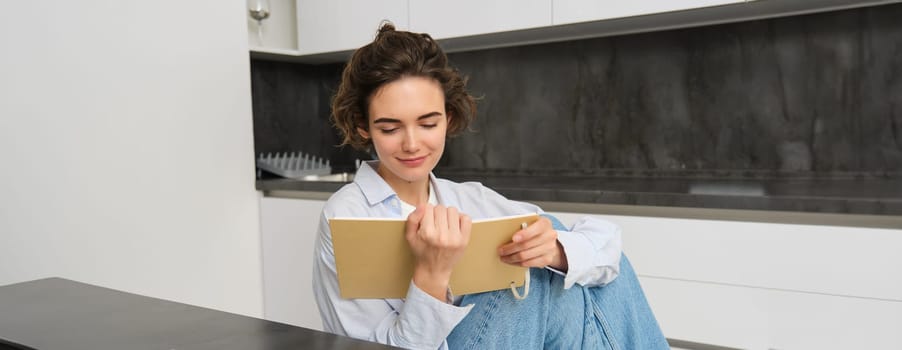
[(727, 283), (474, 17), (767, 286), (573, 11), (763, 319), (327, 31), (342, 25), (288, 232)]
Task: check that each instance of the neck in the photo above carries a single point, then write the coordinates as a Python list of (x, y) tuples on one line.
[(415, 193)]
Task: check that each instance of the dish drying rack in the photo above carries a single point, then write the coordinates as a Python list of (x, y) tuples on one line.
[(296, 165)]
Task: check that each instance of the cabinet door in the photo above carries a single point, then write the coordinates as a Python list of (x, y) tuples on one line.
[(753, 285), (472, 17), (572, 11), (340, 25), (288, 232)]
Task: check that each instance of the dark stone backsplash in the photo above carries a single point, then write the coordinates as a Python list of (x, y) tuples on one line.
[(817, 93), (290, 104), (291, 111)]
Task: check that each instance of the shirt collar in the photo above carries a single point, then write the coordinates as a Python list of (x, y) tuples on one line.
[(374, 187)]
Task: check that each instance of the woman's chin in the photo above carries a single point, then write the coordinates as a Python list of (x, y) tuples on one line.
[(415, 178)]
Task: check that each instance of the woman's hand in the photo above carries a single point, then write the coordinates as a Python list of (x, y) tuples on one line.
[(535, 246), (438, 237)]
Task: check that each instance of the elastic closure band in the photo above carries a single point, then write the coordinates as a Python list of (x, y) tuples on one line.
[(525, 279), (525, 288)]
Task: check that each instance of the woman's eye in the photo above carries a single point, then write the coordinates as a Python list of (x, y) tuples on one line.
[(429, 126), (388, 131)]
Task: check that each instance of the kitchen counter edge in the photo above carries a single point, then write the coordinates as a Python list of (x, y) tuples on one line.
[(854, 212)]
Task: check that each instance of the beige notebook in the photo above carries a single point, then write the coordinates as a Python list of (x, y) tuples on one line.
[(374, 260)]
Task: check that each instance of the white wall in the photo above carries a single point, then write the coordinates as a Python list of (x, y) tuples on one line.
[(126, 149)]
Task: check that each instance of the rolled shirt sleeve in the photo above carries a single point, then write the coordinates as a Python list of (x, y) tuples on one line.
[(593, 248), (423, 321)]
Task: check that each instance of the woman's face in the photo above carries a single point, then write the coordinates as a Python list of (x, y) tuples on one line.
[(407, 124)]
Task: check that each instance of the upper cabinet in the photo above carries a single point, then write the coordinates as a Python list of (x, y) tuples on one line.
[(340, 25), (474, 17), (318, 31), (574, 11)]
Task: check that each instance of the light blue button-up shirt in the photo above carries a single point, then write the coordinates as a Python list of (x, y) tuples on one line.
[(419, 321)]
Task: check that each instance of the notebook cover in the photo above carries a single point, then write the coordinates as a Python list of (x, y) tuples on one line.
[(374, 261)]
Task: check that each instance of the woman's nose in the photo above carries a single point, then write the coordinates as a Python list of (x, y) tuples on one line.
[(410, 143)]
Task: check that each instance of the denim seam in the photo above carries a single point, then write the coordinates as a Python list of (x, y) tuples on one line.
[(606, 328), (484, 326)]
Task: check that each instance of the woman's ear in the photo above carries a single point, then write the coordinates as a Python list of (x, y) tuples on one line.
[(448, 120), (363, 133)]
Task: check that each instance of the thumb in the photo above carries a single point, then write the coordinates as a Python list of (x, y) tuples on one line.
[(413, 220), (466, 224)]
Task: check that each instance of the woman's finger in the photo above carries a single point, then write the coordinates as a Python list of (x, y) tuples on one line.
[(539, 261), (441, 221), (427, 224), (454, 222), (545, 238), (466, 224), (536, 228), (528, 253)]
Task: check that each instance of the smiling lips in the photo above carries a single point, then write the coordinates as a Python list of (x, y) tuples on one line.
[(413, 162)]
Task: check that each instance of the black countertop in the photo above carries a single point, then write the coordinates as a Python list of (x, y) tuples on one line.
[(869, 194), (56, 313)]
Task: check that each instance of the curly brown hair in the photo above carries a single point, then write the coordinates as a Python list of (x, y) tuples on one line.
[(392, 55)]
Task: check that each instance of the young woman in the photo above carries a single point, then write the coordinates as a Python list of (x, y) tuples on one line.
[(399, 97)]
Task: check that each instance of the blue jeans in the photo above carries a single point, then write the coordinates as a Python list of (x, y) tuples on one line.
[(615, 316)]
